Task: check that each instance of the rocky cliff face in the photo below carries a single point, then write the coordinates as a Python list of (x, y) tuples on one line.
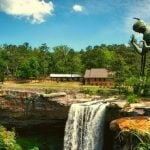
[(27, 108), (23, 108)]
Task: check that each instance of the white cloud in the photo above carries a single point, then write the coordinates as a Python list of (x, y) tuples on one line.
[(33, 10), (77, 8)]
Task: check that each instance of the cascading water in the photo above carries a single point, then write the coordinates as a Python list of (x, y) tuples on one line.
[(84, 127)]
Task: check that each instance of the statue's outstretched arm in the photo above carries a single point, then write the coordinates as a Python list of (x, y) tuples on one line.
[(145, 44), (136, 46)]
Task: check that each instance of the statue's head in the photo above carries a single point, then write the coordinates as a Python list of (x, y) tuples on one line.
[(139, 26)]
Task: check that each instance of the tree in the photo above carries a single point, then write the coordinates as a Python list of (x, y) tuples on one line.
[(74, 62), (44, 58), (28, 68), (60, 59), (3, 68)]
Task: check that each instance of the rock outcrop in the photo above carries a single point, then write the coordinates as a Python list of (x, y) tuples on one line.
[(27, 108), (23, 108), (136, 109), (138, 124), (131, 132)]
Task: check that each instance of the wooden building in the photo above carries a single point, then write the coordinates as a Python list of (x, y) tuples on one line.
[(65, 77), (98, 76)]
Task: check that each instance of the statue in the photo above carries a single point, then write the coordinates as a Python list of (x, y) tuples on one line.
[(141, 27)]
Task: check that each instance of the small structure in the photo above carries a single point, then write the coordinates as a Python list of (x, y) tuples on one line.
[(65, 77), (98, 76)]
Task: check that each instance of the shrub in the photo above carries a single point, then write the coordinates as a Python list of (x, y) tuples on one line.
[(8, 140), (132, 98), (35, 148), (87, 91), (8, 97)]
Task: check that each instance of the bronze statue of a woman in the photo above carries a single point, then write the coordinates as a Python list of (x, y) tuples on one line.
[(141, 27)]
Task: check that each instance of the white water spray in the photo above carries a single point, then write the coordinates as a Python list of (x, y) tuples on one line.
[(85, 125)]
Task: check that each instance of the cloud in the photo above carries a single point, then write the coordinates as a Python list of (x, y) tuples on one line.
[(77, 8), (33, 10)]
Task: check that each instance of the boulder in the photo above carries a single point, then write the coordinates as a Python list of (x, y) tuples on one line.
[(139, 124), (131, 132)]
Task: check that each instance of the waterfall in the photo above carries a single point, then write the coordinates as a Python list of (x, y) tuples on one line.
[(84, 127)]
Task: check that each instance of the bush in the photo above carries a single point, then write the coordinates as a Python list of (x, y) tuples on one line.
[(8, 97), (132, 98), (8, 140), (35, 148), (87, 91)]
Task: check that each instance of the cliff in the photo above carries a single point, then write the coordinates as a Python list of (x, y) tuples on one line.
[(26, 108)]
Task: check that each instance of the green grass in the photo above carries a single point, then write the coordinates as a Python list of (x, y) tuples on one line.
[(50, 86), (136, 140), (143, 140)]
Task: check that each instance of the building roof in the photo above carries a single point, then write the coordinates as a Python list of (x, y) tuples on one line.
[(64, 75), (98, 73)]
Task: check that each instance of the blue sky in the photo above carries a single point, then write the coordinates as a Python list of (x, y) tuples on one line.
[(76, 23)]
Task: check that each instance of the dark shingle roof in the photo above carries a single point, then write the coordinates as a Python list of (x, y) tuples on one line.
[(98, 73)]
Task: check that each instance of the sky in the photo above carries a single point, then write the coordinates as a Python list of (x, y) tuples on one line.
[(75, 23)]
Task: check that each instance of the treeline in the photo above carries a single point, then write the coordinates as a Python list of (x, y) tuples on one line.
[(25, 62)]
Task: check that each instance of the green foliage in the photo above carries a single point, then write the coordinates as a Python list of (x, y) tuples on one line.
[(2, 144), (132, 98), (136, 140), (8, 97), (3, 68), (86, 91), (28, 144), (66, 60), (35, 148), (36, 142), (8, 140), (24, 62), (98, 57), (89, 90), (28, 68)]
